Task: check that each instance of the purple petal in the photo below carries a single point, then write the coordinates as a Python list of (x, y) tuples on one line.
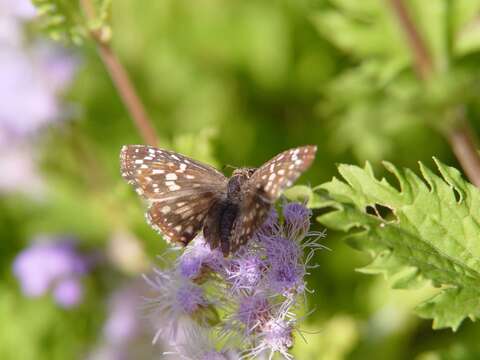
[(68, 292)]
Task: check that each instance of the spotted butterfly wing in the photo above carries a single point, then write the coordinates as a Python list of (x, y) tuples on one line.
[(180, 190), (265, 186)]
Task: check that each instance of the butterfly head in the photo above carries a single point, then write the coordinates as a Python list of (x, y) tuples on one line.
[(237, 181), (244, 172)]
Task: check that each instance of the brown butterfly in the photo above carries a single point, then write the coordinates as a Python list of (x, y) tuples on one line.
[(186, 195)]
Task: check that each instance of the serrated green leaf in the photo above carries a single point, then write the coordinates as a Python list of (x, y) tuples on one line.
[(428, 230)]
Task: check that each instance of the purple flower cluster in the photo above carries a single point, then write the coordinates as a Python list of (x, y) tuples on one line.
[(249, 298), (52, 264)]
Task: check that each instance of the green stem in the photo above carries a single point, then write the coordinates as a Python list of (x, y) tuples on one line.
[(122, 82)]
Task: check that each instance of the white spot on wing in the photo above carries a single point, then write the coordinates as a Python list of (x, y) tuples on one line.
[(165, 210)]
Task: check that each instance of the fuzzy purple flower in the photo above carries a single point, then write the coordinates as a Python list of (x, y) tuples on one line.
[(52, 264), (253, 312), (176, 305), (198, 258), (297, 220), (276, 337), (286, 269), (257, 288), (270, 226), (198, 344), (246, 271)]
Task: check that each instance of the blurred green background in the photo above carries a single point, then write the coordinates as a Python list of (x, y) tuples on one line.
[(234, 83)]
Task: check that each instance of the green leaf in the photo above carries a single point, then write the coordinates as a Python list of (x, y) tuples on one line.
[(64, 20), (303, 193), (426, 231)]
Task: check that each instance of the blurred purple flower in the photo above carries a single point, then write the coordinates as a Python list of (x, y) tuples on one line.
[(122, 324), (22, 9), (176, 301), (52, 264), (19, 171), (68, 292), (31, 80), (12, 15), (125, 335), (198, 344)]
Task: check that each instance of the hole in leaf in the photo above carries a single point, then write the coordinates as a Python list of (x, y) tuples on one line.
[(370, 210), (458, 195), (381, 211)]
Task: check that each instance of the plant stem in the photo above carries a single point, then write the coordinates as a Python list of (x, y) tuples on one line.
[(122, 82), (461, 137)]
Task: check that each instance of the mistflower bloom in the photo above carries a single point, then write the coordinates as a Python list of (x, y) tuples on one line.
[(246, 271), (286, 269), (198, 344), (257, 290), (253, 312), (176, 301), (270, 226), (198, 258), (276, 337), (52, 264), (296, 220)]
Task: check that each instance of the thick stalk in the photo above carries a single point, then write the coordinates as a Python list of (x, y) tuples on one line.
[(461, 137), (122, 82)]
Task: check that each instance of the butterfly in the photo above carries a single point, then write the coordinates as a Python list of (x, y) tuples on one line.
[(187, 196)]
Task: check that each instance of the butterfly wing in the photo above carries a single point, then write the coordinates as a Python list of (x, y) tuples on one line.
[(180, 190), (265, 186)]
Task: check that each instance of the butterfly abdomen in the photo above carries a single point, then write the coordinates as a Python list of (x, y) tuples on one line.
[(219, 223), (227, 219)]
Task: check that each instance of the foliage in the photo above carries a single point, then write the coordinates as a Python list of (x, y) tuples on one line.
[(64, 20), (380, 97), (426, 230), (233, 83)]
